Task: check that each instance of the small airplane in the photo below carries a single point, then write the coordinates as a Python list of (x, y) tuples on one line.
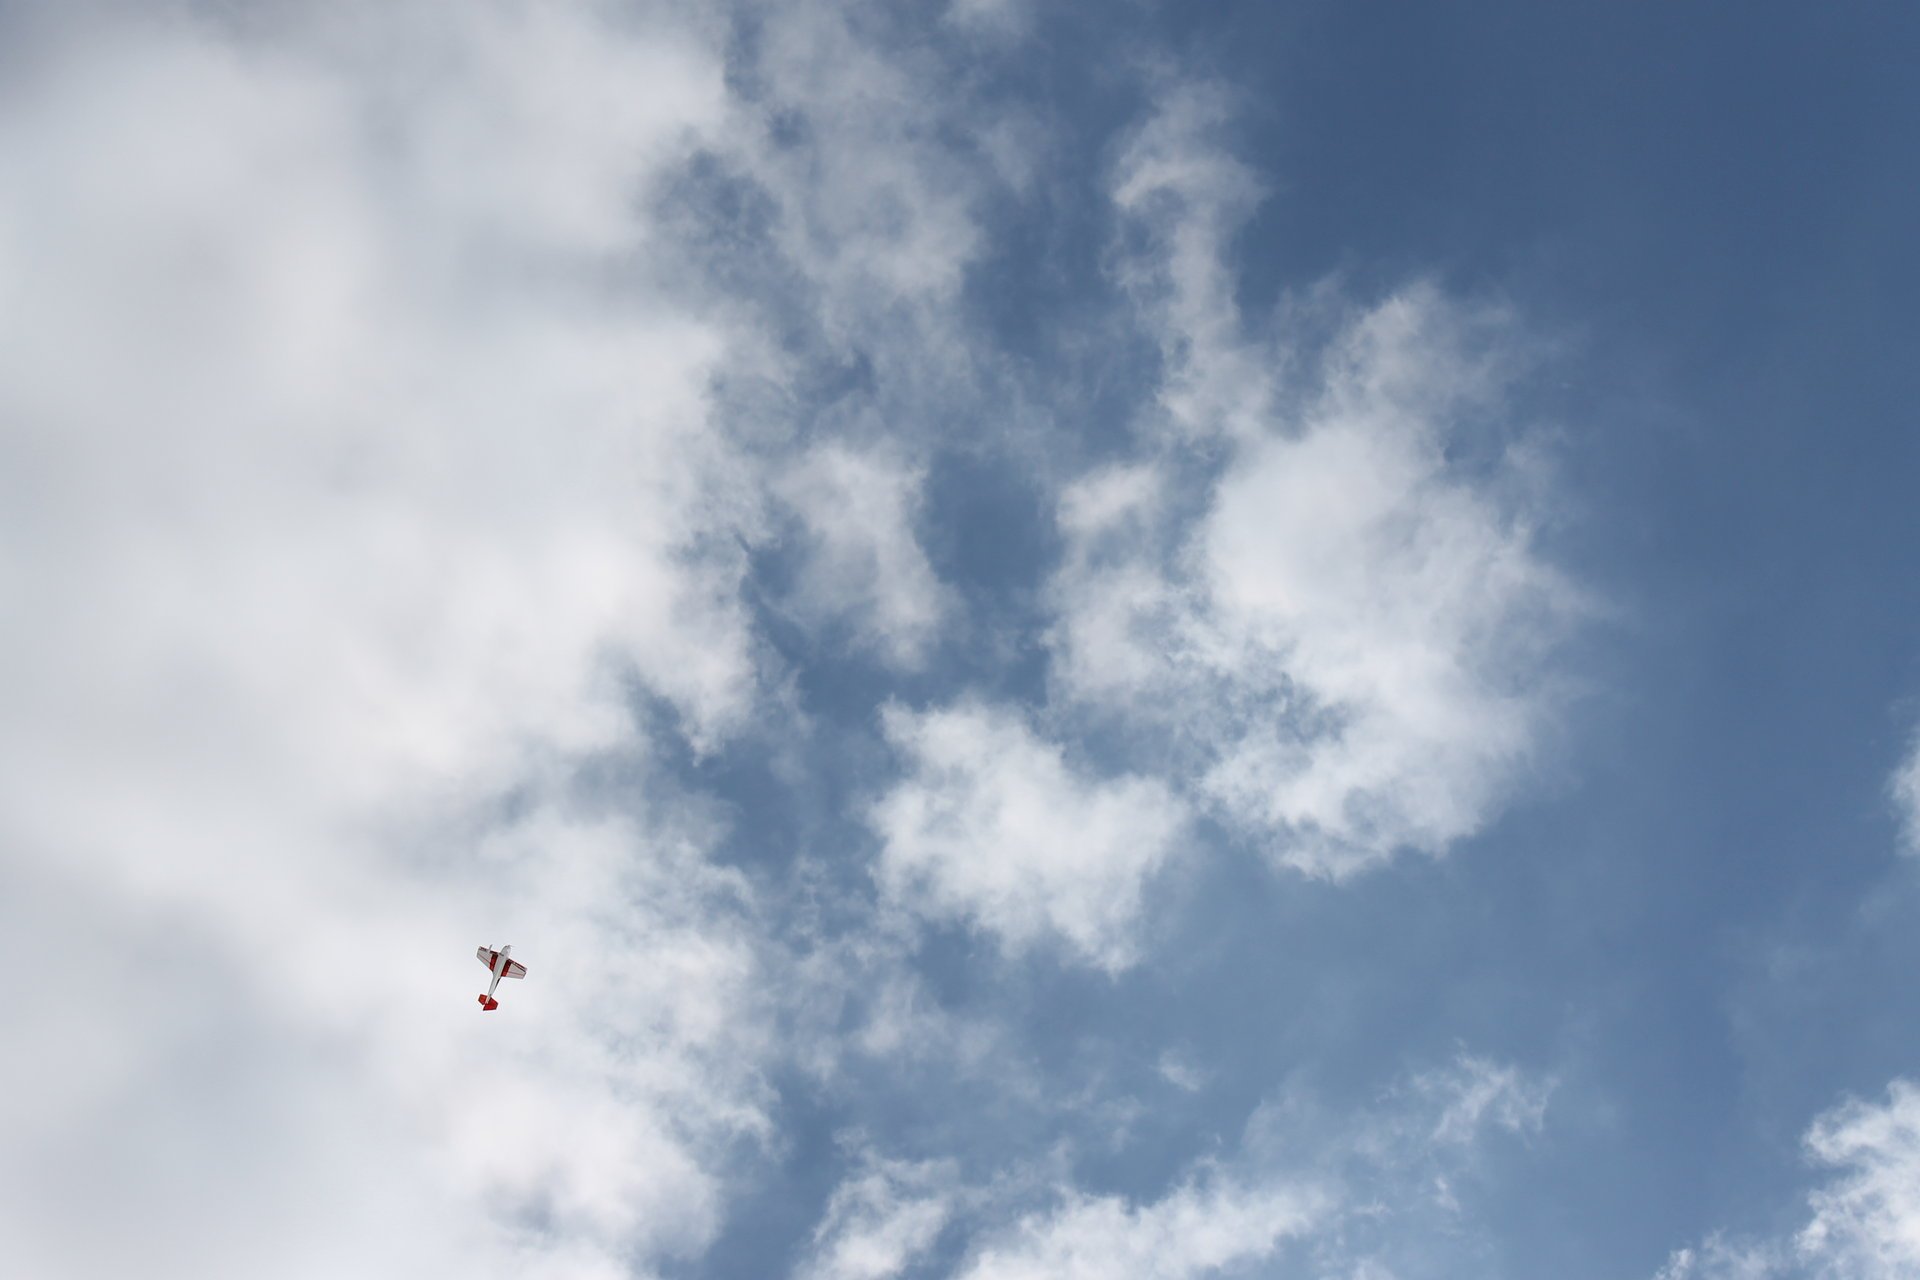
[(502, 968)]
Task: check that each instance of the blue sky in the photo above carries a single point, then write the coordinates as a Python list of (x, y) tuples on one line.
[(1172, 641)]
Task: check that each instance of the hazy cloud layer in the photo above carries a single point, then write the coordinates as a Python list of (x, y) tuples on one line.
[(379, 484), (348, 500), (819, 523)]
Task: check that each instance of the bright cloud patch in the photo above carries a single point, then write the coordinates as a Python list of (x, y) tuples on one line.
[(1380, 1192), (1905, 789), (878, 211), (1381, 604), (1195, 1231), (863, 561), (1862, 1223), (1349, 636), (347, 507), (881, 1221), (1866, 1221), (1342, 628), (990, 824)]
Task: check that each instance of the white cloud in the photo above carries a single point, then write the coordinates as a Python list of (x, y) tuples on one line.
[(346, 498), (1866, 1220), (999, 17), (1184, 196), (991, 825), (1904, 787), (1417, 1151), (876, 198), (367, 462), (863, 561), (881, 1220), (360, 471), (1394, 607), (1196, 1230), (1863, 1222), (1362, 1195), (305, 1057), (1350, 637), (1106, 502), (1332, 609), (1473, 1093), (1716, 1259), (1182, 1072)]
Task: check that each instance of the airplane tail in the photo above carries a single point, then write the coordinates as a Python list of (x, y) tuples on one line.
[(488, 1002)]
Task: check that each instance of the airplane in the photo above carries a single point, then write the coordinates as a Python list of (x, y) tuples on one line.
[(502, 968)]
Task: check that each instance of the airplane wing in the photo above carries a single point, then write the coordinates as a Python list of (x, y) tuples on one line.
[(488, 957), (515, 969)]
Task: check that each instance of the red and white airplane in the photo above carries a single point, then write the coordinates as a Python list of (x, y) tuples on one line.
[(502, 968)]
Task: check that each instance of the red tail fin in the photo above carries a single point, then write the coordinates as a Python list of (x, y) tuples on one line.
[(488, 1002)]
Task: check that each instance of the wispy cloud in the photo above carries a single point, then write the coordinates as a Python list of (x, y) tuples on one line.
[(1475, 1093), (1866, 1220), (1183, 196), (1904, 787), (991, 824), (1333, 609), (1197, 1230), (1863, 1221), (881, 1220), (862, 561), (1717, 1259), (1360, 1194)]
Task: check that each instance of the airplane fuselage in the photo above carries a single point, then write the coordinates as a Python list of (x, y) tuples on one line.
[(499, 966)]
